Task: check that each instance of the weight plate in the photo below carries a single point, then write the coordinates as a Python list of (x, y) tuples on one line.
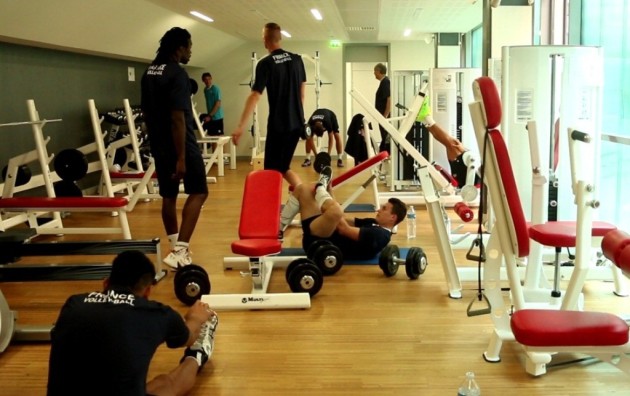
[(190, 283), (306, 278), (415, 263), (65, 188), (294, 264), (71, 164), (321, 160), (387, 260), (310, 252), (328, 258), (23, 174)]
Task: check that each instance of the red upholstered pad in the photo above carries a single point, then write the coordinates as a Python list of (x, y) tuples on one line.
[(562, 233), (613, 244), (130, 175), (257, 247), (360, 168), (489, 96), (623, 261), (62, 203), (260, 210), (549, 328)]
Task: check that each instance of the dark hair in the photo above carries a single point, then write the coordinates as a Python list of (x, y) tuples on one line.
[(381, 68), (318, 128), (170, 42), (206, 74), (194, 87), (131, 270), (398, 208), (273, 32)]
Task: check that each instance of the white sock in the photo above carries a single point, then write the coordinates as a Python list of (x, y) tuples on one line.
[(172, 240), (289, 211), (308, 157), (322, 195), (181, 244)]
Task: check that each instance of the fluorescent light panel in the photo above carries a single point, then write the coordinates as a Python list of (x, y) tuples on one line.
[(201, 16), (407, 32), (285, 33), (316, 14)]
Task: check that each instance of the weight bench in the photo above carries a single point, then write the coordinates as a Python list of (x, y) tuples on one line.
[(258, 239), (601, 335)]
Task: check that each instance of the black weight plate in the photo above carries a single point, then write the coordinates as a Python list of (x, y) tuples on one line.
[(310, 252), (306, 278), (71, 164), (321, 160), (190, 283), (22, 177), (329, 259), (294, 264), (415, 263), (386, 260), (65, 188)]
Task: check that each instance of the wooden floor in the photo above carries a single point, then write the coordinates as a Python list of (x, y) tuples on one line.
[(364, 335)]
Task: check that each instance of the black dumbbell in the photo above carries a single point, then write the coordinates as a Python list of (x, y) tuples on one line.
[(322, 159), (191, 282), (326, 256), (304, 276), (415, 263)]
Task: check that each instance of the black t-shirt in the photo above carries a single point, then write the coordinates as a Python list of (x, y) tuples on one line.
[(382, 93), (166, 87), (282, 73), (328, 119), (103, 342)]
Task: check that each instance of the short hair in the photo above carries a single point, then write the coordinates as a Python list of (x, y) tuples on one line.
[(273, 32), (131, 270), (318, 128), (169, 43), (381, 68), (206, 74), (399, 208)]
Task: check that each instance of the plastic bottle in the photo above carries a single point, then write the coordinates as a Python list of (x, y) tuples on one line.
[(411, 223), (469, 386)]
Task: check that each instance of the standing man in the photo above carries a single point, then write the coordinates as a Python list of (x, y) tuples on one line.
[(213, 120), (168, 113), (283, 74), (120, 328), (324, 120), (383, 102)]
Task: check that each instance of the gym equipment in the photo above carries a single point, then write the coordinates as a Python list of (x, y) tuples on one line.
[(322, 159), (70, 164), (415, 263), (190, 283), (326, 256), (22, 176), (10, 331), (511, 234), (64, 188), (258, 239)]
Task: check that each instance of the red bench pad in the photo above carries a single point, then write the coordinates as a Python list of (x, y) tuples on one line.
[(616, 248), (383, 155), (130, 175), (62, 202), (549, 328), (256, 247), (562, 233)]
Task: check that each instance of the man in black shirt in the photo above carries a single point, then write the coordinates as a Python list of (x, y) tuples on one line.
[(324, 120), (383, 102), (103, 342), (282, 74)]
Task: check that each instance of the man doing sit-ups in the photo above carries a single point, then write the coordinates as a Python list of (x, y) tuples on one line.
[(323, 218)]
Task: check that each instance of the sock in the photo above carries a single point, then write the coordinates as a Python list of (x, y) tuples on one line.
[(182, 244), (322, 195), (308, 156), (289, 211), (172, 240), (339, 157)]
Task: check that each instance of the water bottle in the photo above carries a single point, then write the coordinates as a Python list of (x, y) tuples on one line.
[(469, 386), (411, 223)]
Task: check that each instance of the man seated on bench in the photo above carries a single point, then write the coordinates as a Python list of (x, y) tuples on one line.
[(323, 218)]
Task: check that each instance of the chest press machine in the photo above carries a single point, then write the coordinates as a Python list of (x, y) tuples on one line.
[(543, 326)]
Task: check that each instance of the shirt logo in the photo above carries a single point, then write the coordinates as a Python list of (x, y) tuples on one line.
[(110, 297), (282, 58), (156, 70)]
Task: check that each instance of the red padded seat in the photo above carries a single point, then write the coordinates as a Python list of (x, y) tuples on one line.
[(130, 175), (62, 202), (562, 233), (551, 328), (257, 247), (383, 155)]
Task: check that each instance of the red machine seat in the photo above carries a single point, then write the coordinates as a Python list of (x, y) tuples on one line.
[(257, 247), (383, 155), (550, 328), (563, 233), (130, 175), (62, 202)]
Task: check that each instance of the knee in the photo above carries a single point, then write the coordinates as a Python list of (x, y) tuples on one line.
[(333, 211)]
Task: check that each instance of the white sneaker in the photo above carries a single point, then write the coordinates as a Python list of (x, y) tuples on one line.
[(202, 349), (178, 257)]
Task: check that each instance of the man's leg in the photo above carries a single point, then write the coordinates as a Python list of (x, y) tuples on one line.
[(169, 219), (339, 146), (180, 381), (190, 215), (315, 199)]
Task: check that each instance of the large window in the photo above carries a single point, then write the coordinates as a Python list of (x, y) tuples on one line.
[(605, 23)]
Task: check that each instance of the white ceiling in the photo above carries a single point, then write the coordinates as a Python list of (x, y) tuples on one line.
[(345, 20)]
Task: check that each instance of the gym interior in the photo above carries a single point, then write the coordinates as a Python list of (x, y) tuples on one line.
[(536, 90)]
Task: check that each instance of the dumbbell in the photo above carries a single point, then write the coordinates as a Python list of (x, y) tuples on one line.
[(415, 263), (326, 256), (322, 160), (303, 276), (190, 283)]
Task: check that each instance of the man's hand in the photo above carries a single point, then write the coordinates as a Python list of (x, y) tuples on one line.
[(454, 149), (180, 169), (199, 312), (236, 134)]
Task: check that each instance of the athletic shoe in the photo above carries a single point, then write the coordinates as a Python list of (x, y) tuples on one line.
[(178, 257), (324, 177), (202, 349), (307, 162), (339, 163)]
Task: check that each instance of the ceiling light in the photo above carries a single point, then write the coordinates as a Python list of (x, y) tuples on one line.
[(407, 32), (285, 33), (201, 16), (316, 14)]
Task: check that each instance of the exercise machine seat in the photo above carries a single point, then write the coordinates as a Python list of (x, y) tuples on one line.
[(382, 156), (258, 229), (62, 202), (129, 175), (562, 233), (551, 328)]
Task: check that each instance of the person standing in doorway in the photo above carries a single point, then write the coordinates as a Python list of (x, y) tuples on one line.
[(383, 102)]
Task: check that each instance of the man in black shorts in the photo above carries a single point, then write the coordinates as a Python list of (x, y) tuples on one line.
[(323, 218), (169, 119), (103, 342), (282, 74), (324, 120)]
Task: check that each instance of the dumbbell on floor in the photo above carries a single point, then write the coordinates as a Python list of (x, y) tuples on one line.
[(190, 283), (415, 263), (326, 256)]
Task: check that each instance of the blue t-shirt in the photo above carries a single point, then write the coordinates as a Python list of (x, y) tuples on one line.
[(213, 95)]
